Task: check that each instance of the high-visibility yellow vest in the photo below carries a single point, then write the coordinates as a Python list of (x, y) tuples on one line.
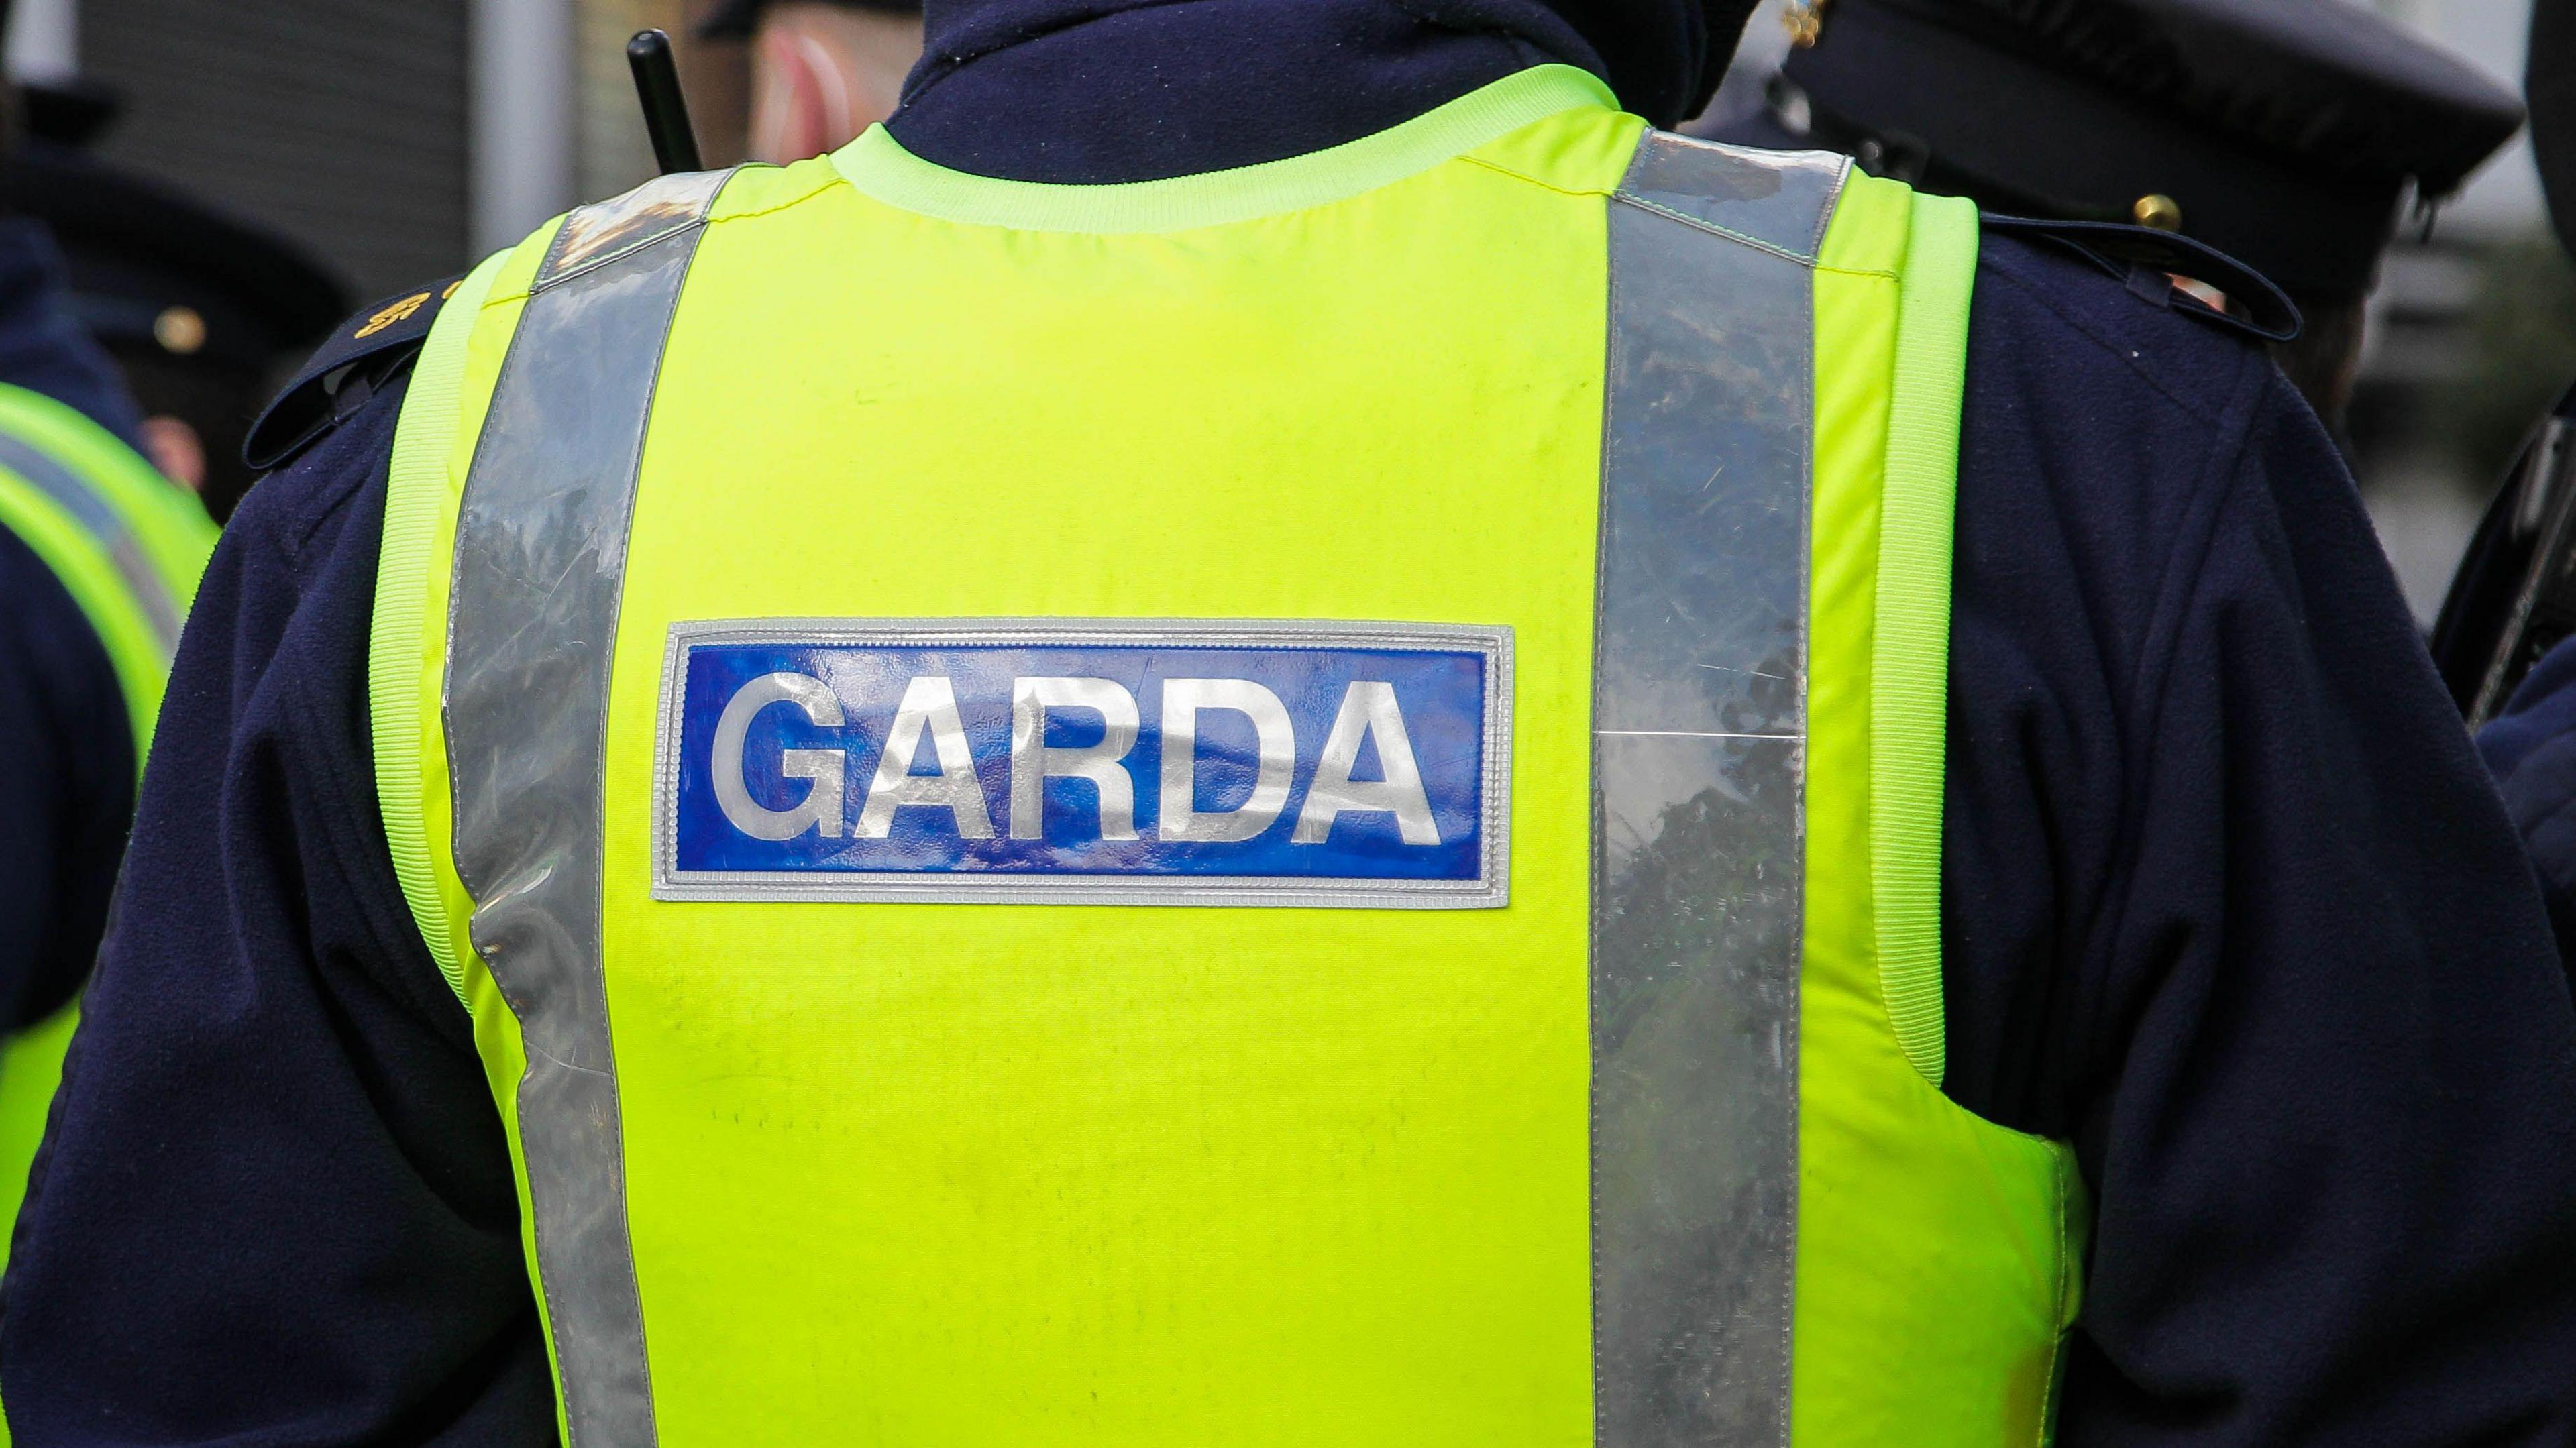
[(1291, 806), (128, 547)]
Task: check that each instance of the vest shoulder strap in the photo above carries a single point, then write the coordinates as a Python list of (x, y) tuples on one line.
[(1775, 201)]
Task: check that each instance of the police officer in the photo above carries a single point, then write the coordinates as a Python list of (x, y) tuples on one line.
[(2289, 136), (202, 311), (98, 557), (821, 70), (1266, 730), (2530, 743)]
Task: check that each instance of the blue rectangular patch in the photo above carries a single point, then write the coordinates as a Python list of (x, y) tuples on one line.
[(1085, 762)]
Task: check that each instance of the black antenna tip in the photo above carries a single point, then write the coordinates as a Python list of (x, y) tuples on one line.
[(666, 108)]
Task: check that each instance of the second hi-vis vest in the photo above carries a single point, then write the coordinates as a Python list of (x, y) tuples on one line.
[(1283, 807), (127, 546)]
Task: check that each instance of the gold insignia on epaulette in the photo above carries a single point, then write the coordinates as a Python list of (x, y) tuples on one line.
[(1805, 21), (392, 314)]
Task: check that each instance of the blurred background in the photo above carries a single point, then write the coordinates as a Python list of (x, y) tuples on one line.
[(400, 139), (2472, 331)]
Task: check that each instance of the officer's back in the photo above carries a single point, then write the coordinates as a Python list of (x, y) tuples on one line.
[(1360, 787)]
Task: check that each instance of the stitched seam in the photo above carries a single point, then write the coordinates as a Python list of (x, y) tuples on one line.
[(2098, 339), (1518, 175), (2162, 641), (838, 180), (549, 283), (1713, 229), (2226, 457), (2058, 1335), (1825, 218), (1596, 880)]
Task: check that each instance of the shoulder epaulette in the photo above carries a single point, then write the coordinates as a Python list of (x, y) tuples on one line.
[(362, 355), (2146, 260)]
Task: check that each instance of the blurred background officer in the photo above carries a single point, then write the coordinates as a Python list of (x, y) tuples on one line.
[(2230, 924), (2289, 134), (98, 557), (203, 312), (821, 72), (2510, 599)]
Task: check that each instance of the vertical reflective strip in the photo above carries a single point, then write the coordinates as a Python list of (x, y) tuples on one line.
[(1699, 717), (92, 510), (532, 626)]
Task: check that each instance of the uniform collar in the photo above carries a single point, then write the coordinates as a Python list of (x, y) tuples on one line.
[(879, 166)]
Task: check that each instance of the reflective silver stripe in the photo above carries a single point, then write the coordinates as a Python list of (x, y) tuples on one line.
[(539, 567), (1699, 718), (94, 512)]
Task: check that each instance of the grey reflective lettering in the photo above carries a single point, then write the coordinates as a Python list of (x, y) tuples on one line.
[(928, 702), (1033, 762), (1368, 708), (1183, 699), (1482, 810), (821, 807)]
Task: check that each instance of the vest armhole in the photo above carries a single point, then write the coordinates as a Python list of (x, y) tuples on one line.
[(417, 506), (1910, 651)]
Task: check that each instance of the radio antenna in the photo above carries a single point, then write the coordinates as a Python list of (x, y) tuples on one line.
[(666, 110)]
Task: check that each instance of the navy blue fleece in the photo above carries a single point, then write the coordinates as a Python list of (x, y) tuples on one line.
[(2228, 902)]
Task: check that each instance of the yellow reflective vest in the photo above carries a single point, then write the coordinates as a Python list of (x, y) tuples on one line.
[(1298, 805), (128, 547)]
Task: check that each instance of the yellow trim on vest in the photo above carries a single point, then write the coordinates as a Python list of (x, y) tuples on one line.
[(1936, 1250), (422, 481), (880, 167), (1910, 647), (433, 448)]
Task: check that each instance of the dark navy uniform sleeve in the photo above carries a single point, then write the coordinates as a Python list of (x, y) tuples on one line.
[(2231, 904), (66, 787), (275, 1202)]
